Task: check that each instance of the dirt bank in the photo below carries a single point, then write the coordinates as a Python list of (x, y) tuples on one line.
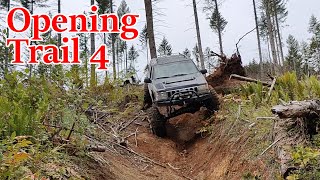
[(187, 153)]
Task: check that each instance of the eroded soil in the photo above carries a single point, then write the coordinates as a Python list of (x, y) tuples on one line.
[(187, 153)]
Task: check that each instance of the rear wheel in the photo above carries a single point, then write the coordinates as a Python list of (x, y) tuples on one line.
[(213, 104), (158, 122), (147, 101)]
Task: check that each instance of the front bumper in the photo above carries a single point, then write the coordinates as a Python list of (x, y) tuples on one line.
[(194, 99)]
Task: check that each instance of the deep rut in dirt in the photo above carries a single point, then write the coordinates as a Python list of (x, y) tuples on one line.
[(185, 154)]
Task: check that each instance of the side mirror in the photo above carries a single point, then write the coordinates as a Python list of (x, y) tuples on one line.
[(204, 71), (147, 80)]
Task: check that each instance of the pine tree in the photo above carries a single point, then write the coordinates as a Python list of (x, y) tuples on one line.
[(216, 21), (293, 58), (92, 49), (165, 48), (104, 7), (195, 53), (132, 57), (273, 14), (121, 45), (258, 37), (5, 4), (314, 47), (143, 38), (187, 53), (305, 57)]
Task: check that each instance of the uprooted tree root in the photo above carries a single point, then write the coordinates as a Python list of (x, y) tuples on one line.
[(220, 78)]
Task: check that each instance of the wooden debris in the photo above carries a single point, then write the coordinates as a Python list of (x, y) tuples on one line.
[(269, 147), (297, 124), (271, 88), (242, 78), (266, 118), (97, 148), (297, 109)]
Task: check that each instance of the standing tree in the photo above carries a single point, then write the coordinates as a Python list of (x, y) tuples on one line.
[(280, 14), (143, 38), (195, 53), (132, 57), (258, 37), (216, 21), (93, 49), (306, 59), (198, 33), (293, 59), (84, 51), (104, 7), (314, 49), (187, 53), (121, 47), (165, 48), (113, 48), (150, 30), (6, 5), (273, 13)]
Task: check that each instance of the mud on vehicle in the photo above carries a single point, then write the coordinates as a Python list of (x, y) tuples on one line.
[(174, 82)]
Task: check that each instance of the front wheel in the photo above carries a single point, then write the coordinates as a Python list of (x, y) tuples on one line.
[(147, 101), (158, 122), (213, 104)]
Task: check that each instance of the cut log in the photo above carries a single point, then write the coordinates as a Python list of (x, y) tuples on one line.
[(297, 109), (242, 78), (296, 125), (97, 148)]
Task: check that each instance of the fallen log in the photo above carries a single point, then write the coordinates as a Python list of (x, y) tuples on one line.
[(297, 109), (242, 78), (296, 124)]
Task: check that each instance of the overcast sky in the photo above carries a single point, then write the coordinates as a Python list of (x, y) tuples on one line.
[(174, 20)]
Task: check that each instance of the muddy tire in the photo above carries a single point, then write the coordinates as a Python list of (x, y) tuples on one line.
[(213, 104), (147, 101), (158, 123)]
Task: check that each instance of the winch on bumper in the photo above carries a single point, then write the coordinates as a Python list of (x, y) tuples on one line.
[(183, 97)]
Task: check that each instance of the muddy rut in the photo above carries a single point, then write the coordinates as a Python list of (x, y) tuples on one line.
[(187, 153)]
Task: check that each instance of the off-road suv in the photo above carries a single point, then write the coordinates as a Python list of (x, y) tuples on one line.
[(176, 83)]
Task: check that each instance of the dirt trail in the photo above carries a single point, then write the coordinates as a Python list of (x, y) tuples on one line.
[(184, 154)]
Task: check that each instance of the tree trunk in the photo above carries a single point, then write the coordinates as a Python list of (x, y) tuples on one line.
[(219, 29), (31, 66), (276, 42), (6, 68), (198, 34), (106, 81), (258, 38), (278, 32), (59, 34), (93, 49), (118, 61), (113, 48), (126, 60), (150, 31), (272, 39)]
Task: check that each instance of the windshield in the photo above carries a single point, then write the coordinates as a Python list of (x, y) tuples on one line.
[(174, 69)]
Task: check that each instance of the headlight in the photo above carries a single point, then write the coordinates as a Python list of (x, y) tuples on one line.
[(161, 95), (203, 88)]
